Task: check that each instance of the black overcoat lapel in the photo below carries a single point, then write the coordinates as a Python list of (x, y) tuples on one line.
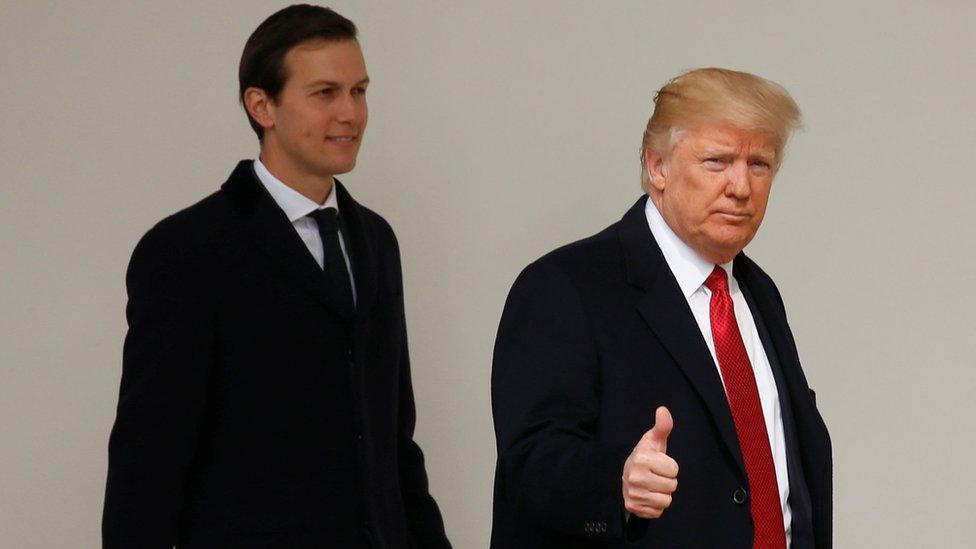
[(802, 533), (267, 226), (363, 255), (779, 332), (666, 312), (811, 432), (812, 438)]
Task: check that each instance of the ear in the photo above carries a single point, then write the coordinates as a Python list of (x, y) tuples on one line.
[(260, 107), (656, 173)]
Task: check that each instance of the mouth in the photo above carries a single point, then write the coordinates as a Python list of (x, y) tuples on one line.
[(735, 217), (342, 139)]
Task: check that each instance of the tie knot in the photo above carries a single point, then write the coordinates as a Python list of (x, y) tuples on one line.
[(718, 281), (327, 218)]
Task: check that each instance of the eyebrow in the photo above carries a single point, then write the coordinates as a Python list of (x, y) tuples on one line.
[(724, 152), (317, 83), (716, 151)]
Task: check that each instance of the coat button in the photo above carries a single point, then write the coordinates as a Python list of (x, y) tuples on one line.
[(739, 496)]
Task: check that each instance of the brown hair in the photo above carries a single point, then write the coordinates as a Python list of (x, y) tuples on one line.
[(263, 60), (712, 95)]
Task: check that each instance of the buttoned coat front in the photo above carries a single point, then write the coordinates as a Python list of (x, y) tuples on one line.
[(241, 384), (594, 337)]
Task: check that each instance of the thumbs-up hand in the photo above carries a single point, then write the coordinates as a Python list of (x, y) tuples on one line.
[(650, 475)]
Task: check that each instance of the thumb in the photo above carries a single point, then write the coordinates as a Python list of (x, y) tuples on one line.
[(662, 428)]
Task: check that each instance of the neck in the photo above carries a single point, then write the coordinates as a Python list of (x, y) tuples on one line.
[(312, 186)]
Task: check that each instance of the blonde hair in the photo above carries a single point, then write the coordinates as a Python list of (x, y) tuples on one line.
[(713, 95)]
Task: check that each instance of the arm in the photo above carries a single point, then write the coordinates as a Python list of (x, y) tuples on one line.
[(546, 402), (423, 517), (166, 359)]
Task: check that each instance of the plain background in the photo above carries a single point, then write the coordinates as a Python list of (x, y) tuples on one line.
[(498, 131)]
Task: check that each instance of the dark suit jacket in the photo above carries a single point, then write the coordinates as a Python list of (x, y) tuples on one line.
[(233, 365), (594, 337)]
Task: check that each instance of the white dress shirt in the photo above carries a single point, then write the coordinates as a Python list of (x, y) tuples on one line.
[(297, 208), (691, 270)]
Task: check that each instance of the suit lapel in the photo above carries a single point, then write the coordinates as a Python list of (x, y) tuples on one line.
[(799, 495), (266, 225), (779, 334), (362, 242), (811, 440), (804, 410), (666, 312)]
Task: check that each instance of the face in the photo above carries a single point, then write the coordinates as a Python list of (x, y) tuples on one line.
[(713, 187), (316, 124)]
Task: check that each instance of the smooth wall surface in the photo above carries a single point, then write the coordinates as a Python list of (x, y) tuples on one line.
[(498, 131)]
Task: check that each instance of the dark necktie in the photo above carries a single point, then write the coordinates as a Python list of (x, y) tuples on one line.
[(335, 265), (743, 395)]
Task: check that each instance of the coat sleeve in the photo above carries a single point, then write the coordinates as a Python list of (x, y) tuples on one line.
[(165, 365), (553, 471), (423, 516)]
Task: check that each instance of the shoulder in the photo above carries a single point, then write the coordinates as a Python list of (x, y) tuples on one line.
[(193, 223), (183, 241), (377, 225), (379, 235), (374, 227), (595, 257), (581, 268), (758, 277), (193, 226)]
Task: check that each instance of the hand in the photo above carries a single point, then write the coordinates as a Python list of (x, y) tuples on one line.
[(650, 475)]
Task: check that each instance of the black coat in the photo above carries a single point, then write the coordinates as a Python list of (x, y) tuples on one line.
[(594, 337), (250, 414)]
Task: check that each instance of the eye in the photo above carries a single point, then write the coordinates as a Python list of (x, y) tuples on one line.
[(327, 92), (714, 163), (760, 164), (359, 90)]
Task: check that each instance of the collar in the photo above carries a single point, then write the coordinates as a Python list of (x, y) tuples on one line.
[(294, 204), (689, 268)]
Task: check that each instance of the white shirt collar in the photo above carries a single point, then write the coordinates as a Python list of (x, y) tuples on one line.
[(293, 203), (689, 268)]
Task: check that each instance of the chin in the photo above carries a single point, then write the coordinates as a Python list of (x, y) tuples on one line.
[(339, 169), (732, 238), (725, 250)]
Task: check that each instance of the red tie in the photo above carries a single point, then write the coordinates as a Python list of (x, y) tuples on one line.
[(740, 387)]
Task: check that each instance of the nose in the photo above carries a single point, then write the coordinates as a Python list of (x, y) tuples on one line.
[(348, 110), (738, 184)]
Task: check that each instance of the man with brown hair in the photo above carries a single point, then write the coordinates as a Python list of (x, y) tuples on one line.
[(646, 389), (266, 398)]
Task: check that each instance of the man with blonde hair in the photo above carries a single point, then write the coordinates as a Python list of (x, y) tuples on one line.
[(646, 388)]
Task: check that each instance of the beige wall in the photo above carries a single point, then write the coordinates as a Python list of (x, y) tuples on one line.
[(498, 131)]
